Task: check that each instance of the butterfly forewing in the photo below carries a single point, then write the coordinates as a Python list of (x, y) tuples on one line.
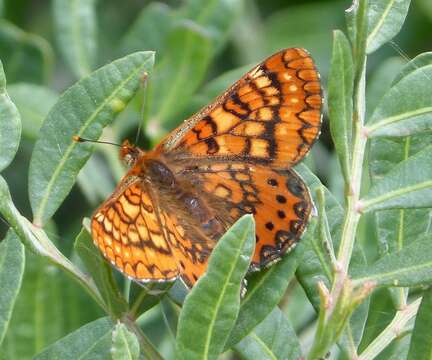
[(272, 115)]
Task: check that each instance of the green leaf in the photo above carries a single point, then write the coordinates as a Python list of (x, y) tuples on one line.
[(211, 308), (75, 28), (125, 345), (33, 102), (90, 342), (406, 108), (421, 338), (408, 185), (274, 338), (410, 266), (264, 291), (149, 31), (422, 60), (386, 18), (26, 56), (83, 110), (11, 273), (340, 104), (39, 315), (10, 125), (101, 273), (178, 75)]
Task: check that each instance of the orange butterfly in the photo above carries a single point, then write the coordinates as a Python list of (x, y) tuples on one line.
[(231, 158)]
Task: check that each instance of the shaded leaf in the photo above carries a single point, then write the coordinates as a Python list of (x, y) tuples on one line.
[(406, 108), (101, 273), (149, 30), (410, 266), (408, 185), (178, 75), (10, 125), (421, 338), (33, 102), (83, 110), (274, 338), (386, 18), (211, 308), (75, 28), (340, 104), (25, 56), (90, 342), (125, 345), (11, 272)]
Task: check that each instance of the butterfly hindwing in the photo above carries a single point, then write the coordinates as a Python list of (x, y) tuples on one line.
[(279, 200), (272, 115), (128, 231)]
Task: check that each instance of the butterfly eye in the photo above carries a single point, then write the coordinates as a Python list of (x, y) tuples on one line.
[(128, 159)]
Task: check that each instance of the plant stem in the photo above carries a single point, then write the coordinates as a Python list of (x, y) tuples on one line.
[(393, 330)]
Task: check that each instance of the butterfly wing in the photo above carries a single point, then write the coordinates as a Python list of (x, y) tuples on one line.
[(271, 115), (128, 231), (279, 200)]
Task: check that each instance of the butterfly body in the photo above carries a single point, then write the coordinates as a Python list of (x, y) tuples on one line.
[(234, 157)]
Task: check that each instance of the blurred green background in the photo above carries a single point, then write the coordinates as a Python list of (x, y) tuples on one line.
[(51, 305)]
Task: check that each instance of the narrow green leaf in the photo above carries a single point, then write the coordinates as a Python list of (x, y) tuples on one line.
[(410, 266), (10, 125), (75, 28), (149, 31), (272, 339), (90, 342), (83, 110), (408, 185), (265, 290), (33, 102), (340, 104), (125, 345), (218, 17), (422, 60), (386, 18), (406, 108), (101, 273), (26, 56), (421, 338), (178, 75), (11, 273), (211, 308)]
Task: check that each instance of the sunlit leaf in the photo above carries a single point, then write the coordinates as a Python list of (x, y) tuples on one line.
[(210, 310), (274, 338), (406, 108), (125, 345), (408, 185), (340, 104), (10, 125), (90, 342), (410, 266), (386, 18), (11, 273), (75, 28), (83, 110)]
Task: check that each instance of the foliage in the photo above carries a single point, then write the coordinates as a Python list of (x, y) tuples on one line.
[(359, 279)]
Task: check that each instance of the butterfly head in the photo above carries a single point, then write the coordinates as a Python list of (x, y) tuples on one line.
[(129, 153)]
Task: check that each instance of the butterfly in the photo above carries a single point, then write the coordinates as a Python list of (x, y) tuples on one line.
[(233, 157)]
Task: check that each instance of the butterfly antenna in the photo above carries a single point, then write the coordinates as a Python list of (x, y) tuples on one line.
[(140, 123), (77, 138)]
